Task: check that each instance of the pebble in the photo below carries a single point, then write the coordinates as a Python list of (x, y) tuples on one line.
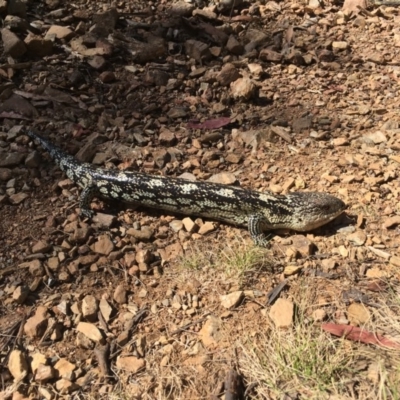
[(90, 330), (176, 225), (18, 198), (120, 294), (358, 238), (36, 325), (41, 247), (104, 245), (243, 88), (303, 245), (44, 373), (20, 294), (391, 222), (225, 178), (231, 300), (375, 273), (105, 309), (36, 359), (190, 225), (17, 365), (341, 141), (90, 308), (211, 333), (206, 228), (131, 364), (282, 313), (358, 314)]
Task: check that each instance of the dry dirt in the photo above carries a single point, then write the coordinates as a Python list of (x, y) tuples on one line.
[(140, 304)]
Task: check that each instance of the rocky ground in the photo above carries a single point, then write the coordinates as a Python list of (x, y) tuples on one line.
[(140, 304)]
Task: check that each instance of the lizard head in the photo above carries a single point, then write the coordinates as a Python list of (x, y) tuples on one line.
[(313, 209)]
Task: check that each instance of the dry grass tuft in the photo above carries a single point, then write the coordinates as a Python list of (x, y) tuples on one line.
[(306, 363)]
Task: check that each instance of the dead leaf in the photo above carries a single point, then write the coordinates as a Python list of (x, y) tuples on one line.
[(359, 335)]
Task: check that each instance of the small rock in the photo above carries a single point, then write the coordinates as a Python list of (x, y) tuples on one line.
[(65, 386), (339, 45), (90, 330), (270, 55), (97, 62), (38, 46), (90, 308), (233, 158), (41, 247), (5, 174), (60, 32), (104, 221), (144, 256), (377, 137), (131, 364), (83, 342), (228, 74), (243, 88), (233, 46), (232, 299), (374, 372), (81, 234), (394, 260), (176, 225), (104, 245), (35, 267), (190, 225), (18, 198), (167, 138), (177, 112), (197, 50), (36, 360), (44, 373), (292, 269), (20, 294), (32, 160), (206, 228), (282, 313), (107, 77), (358, 314), (375, 273), (226, 178), (120, 294), (303, 245), (17, 365), (391, 222), (36, 325), (161, 157), (358, 238), (211, 333), (341, 141), (181, 9), (105, 309), (12, 44), (319, 314), (64, 368), (328, 264), (143, 234)]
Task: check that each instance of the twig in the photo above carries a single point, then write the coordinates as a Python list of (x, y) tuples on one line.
[(102, 355)]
